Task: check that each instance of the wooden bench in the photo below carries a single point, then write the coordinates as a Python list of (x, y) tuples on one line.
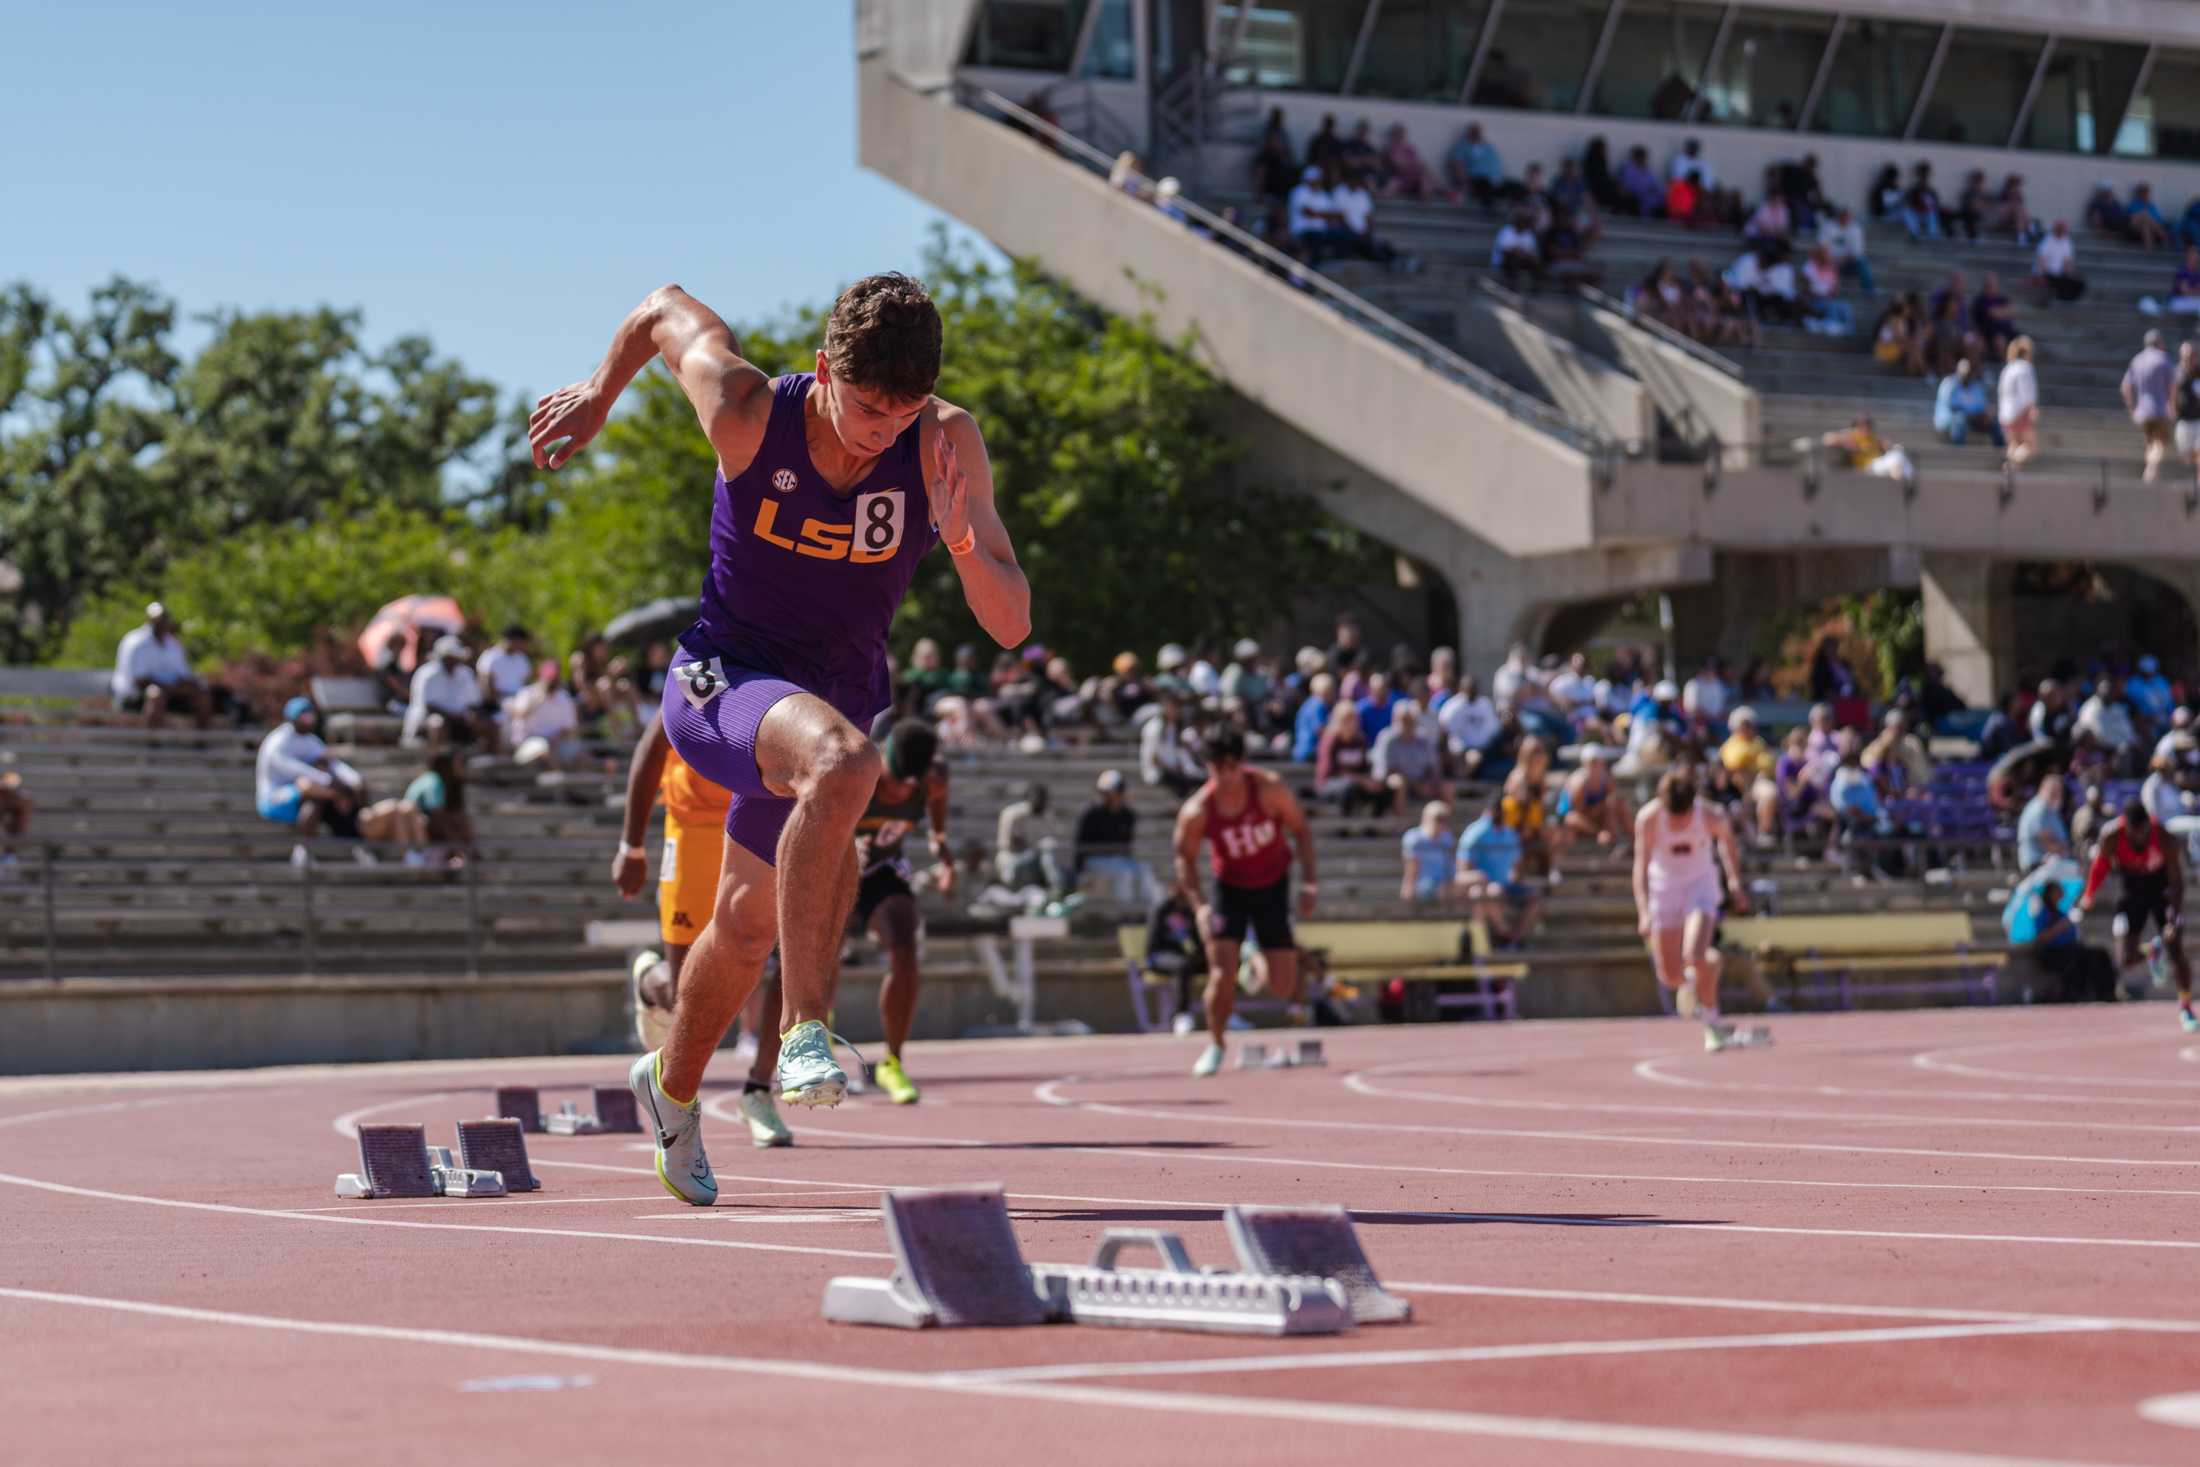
[(353, 711), (1417, 952), (1823, 956), (74, 686)]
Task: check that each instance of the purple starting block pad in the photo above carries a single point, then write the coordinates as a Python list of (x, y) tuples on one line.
[(522, 1103), (500, 1146), (393, 1162), (615, 1109)]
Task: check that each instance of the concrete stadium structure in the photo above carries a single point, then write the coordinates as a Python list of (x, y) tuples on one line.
[(1547, 458)]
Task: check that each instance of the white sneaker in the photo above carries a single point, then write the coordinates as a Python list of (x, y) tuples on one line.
[(652, 1025), (1184, 1023), (300, 857), (1210, 1060), (766, 1129), (681, 1165), (1719, 1036)]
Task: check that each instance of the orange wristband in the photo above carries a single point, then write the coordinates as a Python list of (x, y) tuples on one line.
[(965, 545)]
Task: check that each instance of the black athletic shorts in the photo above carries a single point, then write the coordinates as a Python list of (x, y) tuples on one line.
[(2145, 899), (1264, 909), (878, 884)]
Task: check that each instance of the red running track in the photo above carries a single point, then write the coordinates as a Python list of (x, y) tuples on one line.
[(1894, 1240)]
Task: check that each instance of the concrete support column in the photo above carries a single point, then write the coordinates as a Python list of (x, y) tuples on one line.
[(1970, 624)]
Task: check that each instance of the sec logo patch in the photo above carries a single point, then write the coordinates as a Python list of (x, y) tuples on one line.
[(784, 481)]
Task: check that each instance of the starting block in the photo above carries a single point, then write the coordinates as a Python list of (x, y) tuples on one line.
[(1746, 1036), (1314, 1240), (498, 1146), (615, 1111), (957, 1262), (396, 1161), (522, 1103), (1253, 1055)]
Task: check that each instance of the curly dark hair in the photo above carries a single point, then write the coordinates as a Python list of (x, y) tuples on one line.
[(884, 334)]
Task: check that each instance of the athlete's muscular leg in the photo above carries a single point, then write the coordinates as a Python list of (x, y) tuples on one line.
[(721, 969), (1666, 956), (762, 1014), (1700, 957), (1283, 972), (1222, 966), (2173, 944), (895, 922), (806, 750)]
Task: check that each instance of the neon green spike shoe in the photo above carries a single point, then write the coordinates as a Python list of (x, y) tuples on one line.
[(890, 1078), (807, 1073)]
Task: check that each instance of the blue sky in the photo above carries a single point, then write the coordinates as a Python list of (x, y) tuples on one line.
[(507, 178)]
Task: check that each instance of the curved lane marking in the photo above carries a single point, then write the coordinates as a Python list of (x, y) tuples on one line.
[(2178, 1410)]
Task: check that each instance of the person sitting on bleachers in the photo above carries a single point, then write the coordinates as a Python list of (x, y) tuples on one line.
[(1885, 195), (1474, 168), (1176, 948), (1959, 407), (2152, 697), (1801, 780), (2042, 832), (2107, 718), (1974, 202), (1407, 760), (1426, 852), (1771, 220), (2184, 288), (1405, 174), (299, 784), (438, 793), (1343, 764), (15, 820), (1312, 717), (1275, 161), (446, 700), (505, 669), (542, 724), (153, 673), (2086, 821), (1898, 756), (1898, 336), (1487, 871), (2055, 265), (1843, 239), (2148, 229), (1107, 837), (1471, 726), (1797, 182), (1590, 805), (1640, 191), (1829, 313), (2003, 729), (1165, 753), (1515, 254), (1316, 227), (2105, 214), (1921, 204), (1355, 208), (1992, 317), (1867, 451)]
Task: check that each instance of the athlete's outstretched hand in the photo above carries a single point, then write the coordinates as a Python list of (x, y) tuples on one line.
[(949, 490), (629, 870), (576, 414), (1738, 899)]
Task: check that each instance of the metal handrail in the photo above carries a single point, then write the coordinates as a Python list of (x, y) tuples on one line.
[(1717, 361), (1432, 354)]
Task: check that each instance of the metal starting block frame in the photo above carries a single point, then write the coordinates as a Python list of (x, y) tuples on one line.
[(1256, 1055), (396, 1161), (615, 1113), (957, 1262), (1314, 1240)]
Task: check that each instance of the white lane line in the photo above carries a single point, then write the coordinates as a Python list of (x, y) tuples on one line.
[(390, 1206), (347, 1124), (1746, 1446), (1656, 1071), (1944, 1061), (1797, 1306), (2177, 1410), (1542, 1350)]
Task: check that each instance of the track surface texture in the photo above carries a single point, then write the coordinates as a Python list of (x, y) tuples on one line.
[(1894, 1240)]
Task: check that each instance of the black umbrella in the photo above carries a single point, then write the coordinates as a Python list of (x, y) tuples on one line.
[(660, 618)]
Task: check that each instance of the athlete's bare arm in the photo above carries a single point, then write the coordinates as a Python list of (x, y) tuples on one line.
[(732, 399), (630, 868), (1730, 856), (1643, 821), (1276, 798), (935, 816), (1191, 829), (960, 482), (2173, 867)]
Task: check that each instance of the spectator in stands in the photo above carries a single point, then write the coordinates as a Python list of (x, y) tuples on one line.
[(1026, 843), (1843, 239), (1573, 692), (1474, 168), (1516, 255), (1316, 227), (2086, 821), (1771, 220), (2003, 730), (1898, 756), (1683, 201), (1405, 174), (446, 700), (1898, 337), (2018, 393), (1488, 869), (1974, 203), (1590, 806), (1640, 191), (1798, 183), (1344, 764), (1885, 196), (1345, 652), (1596, 172), (2052, 718), (1570, 191), (2184, 289), (1470, 724), (1355, 208), (1921, 204), (1165, 752), (1171, 667), (542, 724), (1828, 312), (1128, 174), (2185, 400), (1124, 691), (1959, 407), (153, 673), (1377, 704), (15, 820), (506, 668), (2104, 214), (1428, 852), (438, 794), (1107, 836), (1275, 162), (1801, 779), (1564, 244), (2161, 793), (2148, 388), (2144, 221), (2106, 718), (1704, 698), (1854, 794), (1867, 451), (1657, 733), (1312, 717), (1360, 152), (1325, 149), (1405, 758), (1991, 315), (1168, 199), (2055, 266), (2179, 741)]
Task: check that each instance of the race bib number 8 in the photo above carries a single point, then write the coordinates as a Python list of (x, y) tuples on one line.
[(700, 681), (878, 526)]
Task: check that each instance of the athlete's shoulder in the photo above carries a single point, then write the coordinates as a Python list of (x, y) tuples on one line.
[(1195, 808)]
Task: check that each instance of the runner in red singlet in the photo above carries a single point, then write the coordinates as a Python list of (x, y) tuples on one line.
[(1245, 817), (2146, 863)]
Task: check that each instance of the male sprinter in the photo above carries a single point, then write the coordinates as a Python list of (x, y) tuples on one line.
[(1680, 842), (913, 787), (687, 890), (1243, 815), (816, 530), (2146, 863)]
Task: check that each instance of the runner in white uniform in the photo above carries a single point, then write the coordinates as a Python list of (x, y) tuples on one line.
[(1679, 846)]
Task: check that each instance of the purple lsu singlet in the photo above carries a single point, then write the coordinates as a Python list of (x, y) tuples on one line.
[(803, 581)]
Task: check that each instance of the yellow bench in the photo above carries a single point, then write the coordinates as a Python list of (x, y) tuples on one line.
[(1822, 955), (1415, 951)]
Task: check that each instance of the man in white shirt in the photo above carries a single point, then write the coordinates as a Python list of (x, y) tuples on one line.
[(2107, 718), (1515, 252), (1311, 215), (1690, 162), (2055, 263), (1573, 691), (1843, 238), (446, 700), (1706, 695), (542, 724), (1511, 681), (1470, 724), (297, 783), (507, 668), (153, 672), (1163, 755)]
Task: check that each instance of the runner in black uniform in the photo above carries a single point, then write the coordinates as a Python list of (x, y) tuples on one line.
[(2153, 878), (913, 788)]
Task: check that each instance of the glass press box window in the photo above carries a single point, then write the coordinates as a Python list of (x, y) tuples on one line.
[(1419, 50), (1540, 54), (2082, 97), (1111, 56), (1292, 45), (1035, 35), (1981, 86), (1655, 65), (1878, 66), (1763, 72), (2163, 121)]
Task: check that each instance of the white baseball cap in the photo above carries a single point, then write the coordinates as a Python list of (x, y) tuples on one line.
[(449, 646), (1666, 691), (1246, 647), (1110, 781), (1170, 656)]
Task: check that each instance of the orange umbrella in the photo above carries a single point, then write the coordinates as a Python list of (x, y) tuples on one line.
[(404, 620)]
